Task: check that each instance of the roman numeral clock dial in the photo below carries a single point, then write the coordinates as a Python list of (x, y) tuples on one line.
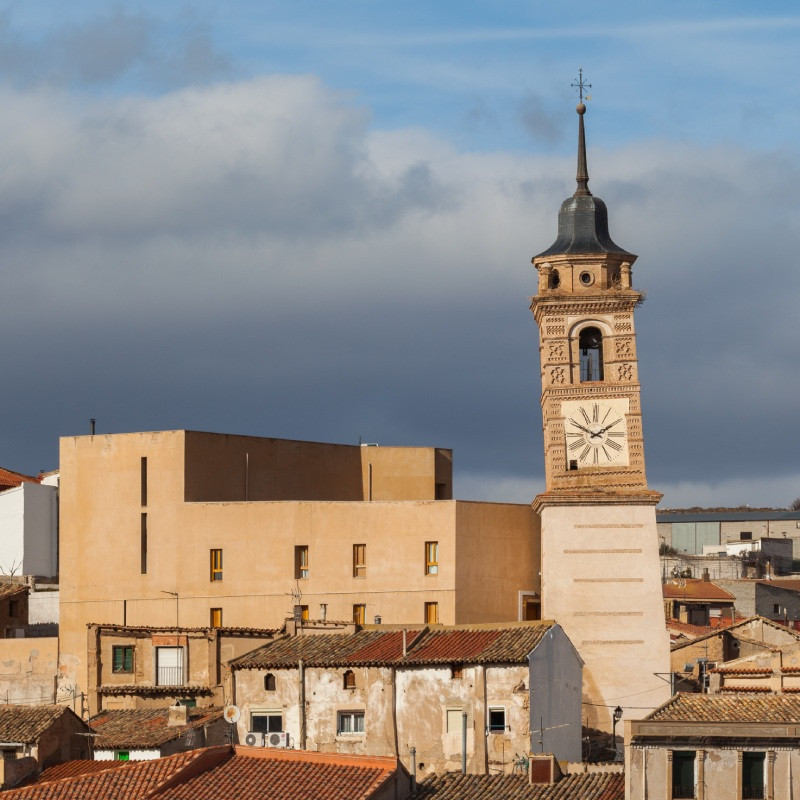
[(596, 433)]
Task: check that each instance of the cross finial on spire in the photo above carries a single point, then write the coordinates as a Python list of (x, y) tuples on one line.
[(581, 85), (583, 173)]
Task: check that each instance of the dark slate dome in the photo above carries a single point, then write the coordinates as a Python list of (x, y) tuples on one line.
[(583, 218), (583, 228)]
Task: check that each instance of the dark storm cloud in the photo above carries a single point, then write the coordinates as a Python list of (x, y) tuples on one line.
[(249, 258), (109, 47)]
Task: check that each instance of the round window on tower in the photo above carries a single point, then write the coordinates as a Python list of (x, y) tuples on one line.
[(586, 278), (555, 280)]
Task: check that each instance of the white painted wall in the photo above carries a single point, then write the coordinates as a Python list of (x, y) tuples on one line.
[(135, 755), (29, 530), (42, 607)]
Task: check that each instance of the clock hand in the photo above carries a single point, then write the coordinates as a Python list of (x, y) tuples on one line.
[(603, 430), (585, 430)]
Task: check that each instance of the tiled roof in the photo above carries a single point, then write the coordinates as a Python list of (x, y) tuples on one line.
[(460, 644), (792, 584), (686, 628), (8, 589), (255, 773), (145, 727), (741, 670), (135, 780), (695, 589), (70, 769), (10, 479), (728, 708), (137, 629), (115, 690), (586, 786), (734, 630), (26, 724)]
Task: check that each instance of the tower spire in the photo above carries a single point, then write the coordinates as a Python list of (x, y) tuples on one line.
[(583, 172)]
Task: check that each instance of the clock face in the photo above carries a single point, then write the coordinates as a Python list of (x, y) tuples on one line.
[(596, 433)]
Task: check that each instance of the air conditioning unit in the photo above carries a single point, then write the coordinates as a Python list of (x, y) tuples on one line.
[(254, 739), (277, 739)]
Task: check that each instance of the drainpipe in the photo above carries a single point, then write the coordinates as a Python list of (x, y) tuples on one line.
[(302, 677), (405, 644), (413, 752), (463, 742)]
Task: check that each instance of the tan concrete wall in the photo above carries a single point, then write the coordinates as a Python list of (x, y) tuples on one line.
[(28, 670), (498, 552), (101, 538), (601, 582)]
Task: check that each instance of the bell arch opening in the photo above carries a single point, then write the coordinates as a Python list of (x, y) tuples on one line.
[(590, 349)]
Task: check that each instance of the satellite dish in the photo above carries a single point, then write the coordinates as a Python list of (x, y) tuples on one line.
[(232, 714)]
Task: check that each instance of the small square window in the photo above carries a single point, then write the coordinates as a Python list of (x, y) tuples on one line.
[(456, 672), (301, 561), (746, 536), (359, 561), (349, 679), (454, 720), (269, 682), (122, 658), (497, 720), (216, 565), (350, 722), (122, 755), (431, 558)]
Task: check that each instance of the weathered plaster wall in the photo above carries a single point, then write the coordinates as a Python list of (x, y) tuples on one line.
[(28, 670)]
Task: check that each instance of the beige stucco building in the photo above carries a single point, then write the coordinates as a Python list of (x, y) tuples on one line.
[(199, 529)]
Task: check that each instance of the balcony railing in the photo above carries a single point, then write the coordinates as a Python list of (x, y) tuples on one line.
[(683, 792), (170, 676), (752, 793)]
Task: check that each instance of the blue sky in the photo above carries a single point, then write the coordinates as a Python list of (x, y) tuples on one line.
[(315, 220)]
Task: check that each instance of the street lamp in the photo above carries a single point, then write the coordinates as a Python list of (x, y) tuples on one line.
[(617, 718)]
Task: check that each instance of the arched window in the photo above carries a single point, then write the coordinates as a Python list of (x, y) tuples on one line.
[(590, 347), (349, 679), (554, 281), (269, 682)]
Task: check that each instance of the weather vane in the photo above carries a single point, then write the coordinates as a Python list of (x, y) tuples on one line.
[(581, 86)]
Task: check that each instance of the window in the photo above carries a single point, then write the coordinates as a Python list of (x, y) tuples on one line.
[(359, 561), (144, 481), (746, 536), (122, 658), (456, 672), (216, 617), (13, 608), (189, 702), (431, 558), (122, 755), (776, 608), (349, 679), (269, 682), (431, 613), (554, 280), (359, 613), (216, 565), (143, 545), (301, 613), (497, 720), (350, 722), (266, 721), (683, 773), (590, 347), (301, 561), (169, 666), (454, 720), (753, 776)]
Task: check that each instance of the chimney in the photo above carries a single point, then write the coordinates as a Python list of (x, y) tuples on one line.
[(543, 769), (706, 576), (178, 715)]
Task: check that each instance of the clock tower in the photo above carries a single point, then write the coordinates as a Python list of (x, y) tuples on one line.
[(600, 565)]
